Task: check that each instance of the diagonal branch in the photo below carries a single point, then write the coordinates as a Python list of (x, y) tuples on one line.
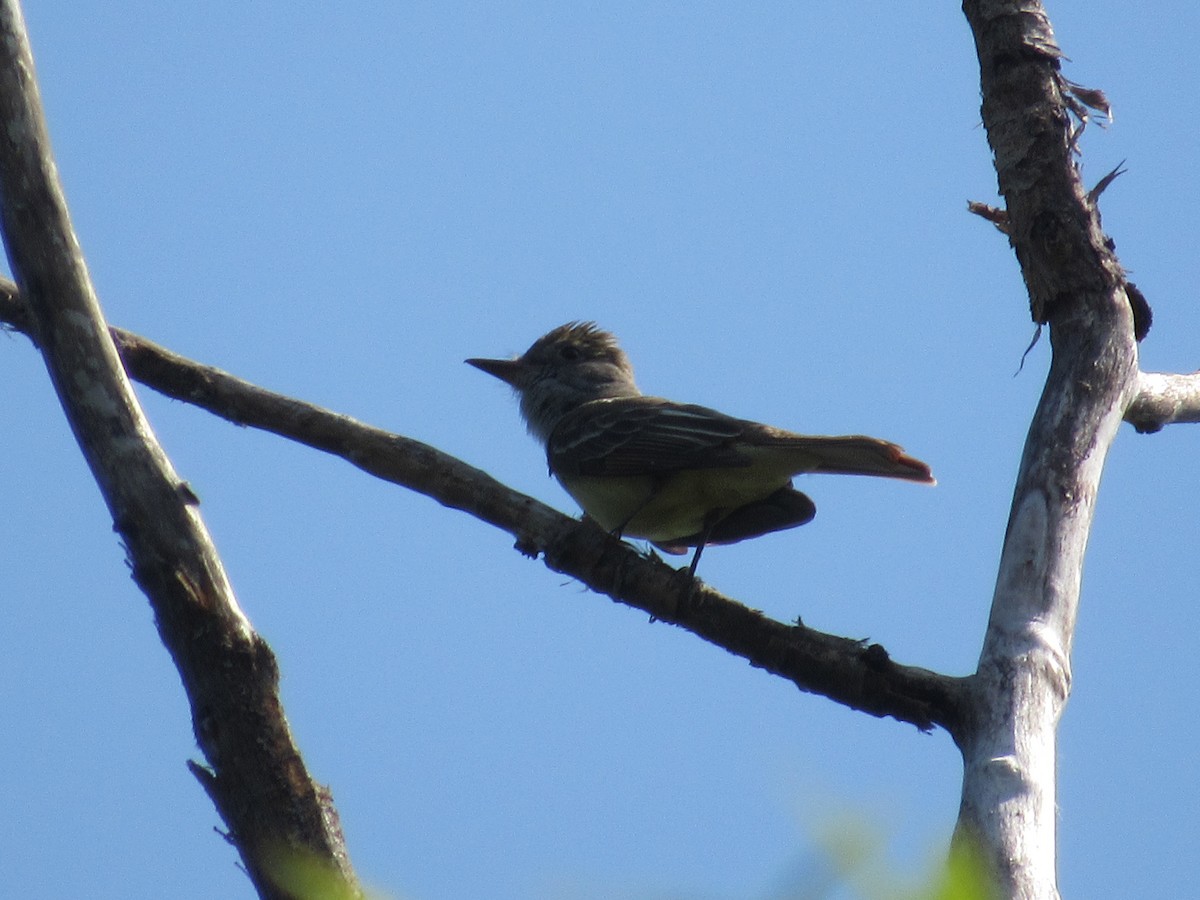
[(1164, 399), (275, 813), (850, 672)]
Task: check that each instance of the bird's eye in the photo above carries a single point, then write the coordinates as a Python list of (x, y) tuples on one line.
[(569, 352)]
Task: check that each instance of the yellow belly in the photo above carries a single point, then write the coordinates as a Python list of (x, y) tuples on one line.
[(681, 504)]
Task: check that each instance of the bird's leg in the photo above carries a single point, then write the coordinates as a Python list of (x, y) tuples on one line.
[(713, 520)]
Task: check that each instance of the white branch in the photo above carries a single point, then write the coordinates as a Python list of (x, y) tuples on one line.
[(1164, 399), (1078, 288)]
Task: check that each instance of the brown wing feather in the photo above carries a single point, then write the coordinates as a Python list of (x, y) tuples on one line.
[(643, 436)]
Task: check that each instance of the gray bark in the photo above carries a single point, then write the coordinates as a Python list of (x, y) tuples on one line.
[(281, 822), (1033, 117)]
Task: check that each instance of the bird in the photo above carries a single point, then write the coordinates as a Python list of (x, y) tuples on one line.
[(677, 475)]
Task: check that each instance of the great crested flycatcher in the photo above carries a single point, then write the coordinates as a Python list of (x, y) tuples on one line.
[(675, 474)]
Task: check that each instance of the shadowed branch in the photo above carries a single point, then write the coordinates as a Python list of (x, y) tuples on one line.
[(857, 674)]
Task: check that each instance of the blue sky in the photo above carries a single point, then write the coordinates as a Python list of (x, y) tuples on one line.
[(767, 205)]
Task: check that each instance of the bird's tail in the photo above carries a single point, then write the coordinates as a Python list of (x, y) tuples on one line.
[(858, 455)]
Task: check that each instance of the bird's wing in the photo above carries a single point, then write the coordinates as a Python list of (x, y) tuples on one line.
[(643, 436)]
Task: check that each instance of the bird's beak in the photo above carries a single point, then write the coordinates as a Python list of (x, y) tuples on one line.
[(510, 371)]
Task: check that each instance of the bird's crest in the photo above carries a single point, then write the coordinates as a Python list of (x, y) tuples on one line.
[(577, 341)]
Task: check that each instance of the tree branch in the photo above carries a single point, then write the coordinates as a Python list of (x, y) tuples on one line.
[(1163, 399), (1077, 286), (277, 817), (853, 673)]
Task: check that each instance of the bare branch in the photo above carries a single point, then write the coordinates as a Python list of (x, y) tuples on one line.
[(854, 673), (1078, 288), (276, 815), (1164, 400)]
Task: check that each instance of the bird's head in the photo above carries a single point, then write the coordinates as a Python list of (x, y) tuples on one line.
[(563, 369)]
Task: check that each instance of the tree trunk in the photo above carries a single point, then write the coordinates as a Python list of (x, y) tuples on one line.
[(1078, 289)]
